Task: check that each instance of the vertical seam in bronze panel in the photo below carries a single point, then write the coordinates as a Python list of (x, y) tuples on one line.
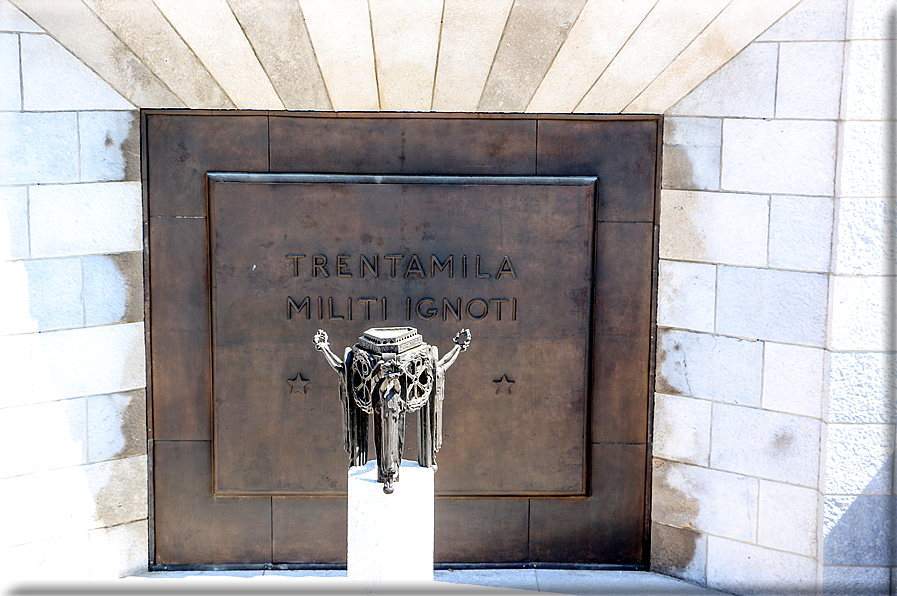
[(271, 521), (536, 157), (592, 346), (147, 338), (211, 388)]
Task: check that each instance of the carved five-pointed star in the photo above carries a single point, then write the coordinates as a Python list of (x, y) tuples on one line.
[(503, 385), (299, 384)]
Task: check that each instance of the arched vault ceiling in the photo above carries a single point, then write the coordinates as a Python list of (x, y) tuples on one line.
[(446, 55)]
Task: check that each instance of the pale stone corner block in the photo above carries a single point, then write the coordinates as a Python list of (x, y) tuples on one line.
[(800, 233), (47, 559), (38, 147), (810, 20), (682, 429), (119, 490), (43, 436), (782, 306), (860, 317), (855, 580), (871, 19), (91, 361), (471, 31), (809, 81), (720, 228), (859, 459), (55, 80), (787, 518), (13, 19), (15, 300), (704, 500), (864, 96), (867, 167), (793, 378), (867, 228), (685, 295), (54, 292), (690, 167), (861, 386), (741, 568), (678, 552), (692, 132), (17, 368), (113, 288), (120, 550), (769, 445), (858, 530), (340, 31), (779, 156), (10, 89), (709, 366), (110, 146), (743, 87), (598, 33), (86, 218), (406, 41), (14, 223), (213, 33), (116, 425), (727, 35)]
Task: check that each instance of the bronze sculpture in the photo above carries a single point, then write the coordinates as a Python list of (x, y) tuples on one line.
[(390, 372)]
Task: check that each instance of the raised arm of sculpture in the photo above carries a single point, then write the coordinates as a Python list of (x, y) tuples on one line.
[(322, 343), (462, 342)]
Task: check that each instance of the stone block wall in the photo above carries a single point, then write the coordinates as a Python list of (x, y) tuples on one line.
[(73, 476)]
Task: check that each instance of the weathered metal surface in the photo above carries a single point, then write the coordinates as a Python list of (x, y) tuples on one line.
[(511, 258)]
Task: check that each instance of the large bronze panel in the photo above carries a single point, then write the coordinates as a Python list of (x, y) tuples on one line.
[(309, 529), (520, 270), (620, 393), (403, 145), (192, 526), (622, 153), (481, 530), (606, 527)]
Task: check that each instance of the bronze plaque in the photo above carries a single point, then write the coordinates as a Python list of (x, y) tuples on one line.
[(510, 258)]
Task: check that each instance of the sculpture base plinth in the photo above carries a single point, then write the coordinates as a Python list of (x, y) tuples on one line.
[(391, 536)]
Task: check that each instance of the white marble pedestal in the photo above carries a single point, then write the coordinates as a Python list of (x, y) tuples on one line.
[(391, 536)]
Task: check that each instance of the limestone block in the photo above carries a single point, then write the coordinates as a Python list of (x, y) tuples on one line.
[(784, 306), (89, 361), (118, 488), (10, 85), (856, 581), (340, 31), (860, 317), (13, 19), (124, 548), (54, 292), (867, 165), (46, 560), (864, 86), (113, 288), (38, 147), (690, 167), (13, 223), (110, 146), (704, 500), (765, 444), (595, 38), (390, 537), (406, 42), (16, 370), (787, 518), (779, 156), (685, 295), (859, 459), (470, 34), (871, 19), (53, 79), (811, 20), (116, 425), (692, 132), (678, 552), (748, 569), (211, 30), (86, 219), (793, 378), (43, 436), (800, 233), (858, 530), (682, 429), (861, 386), (714, 227), (709, 366), (867, 229), (744, 87), (809, 81)]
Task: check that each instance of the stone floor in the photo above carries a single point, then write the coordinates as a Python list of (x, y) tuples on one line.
[(475, 581)]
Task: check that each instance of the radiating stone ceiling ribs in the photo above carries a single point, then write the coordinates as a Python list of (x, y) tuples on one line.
[(447, 55)]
